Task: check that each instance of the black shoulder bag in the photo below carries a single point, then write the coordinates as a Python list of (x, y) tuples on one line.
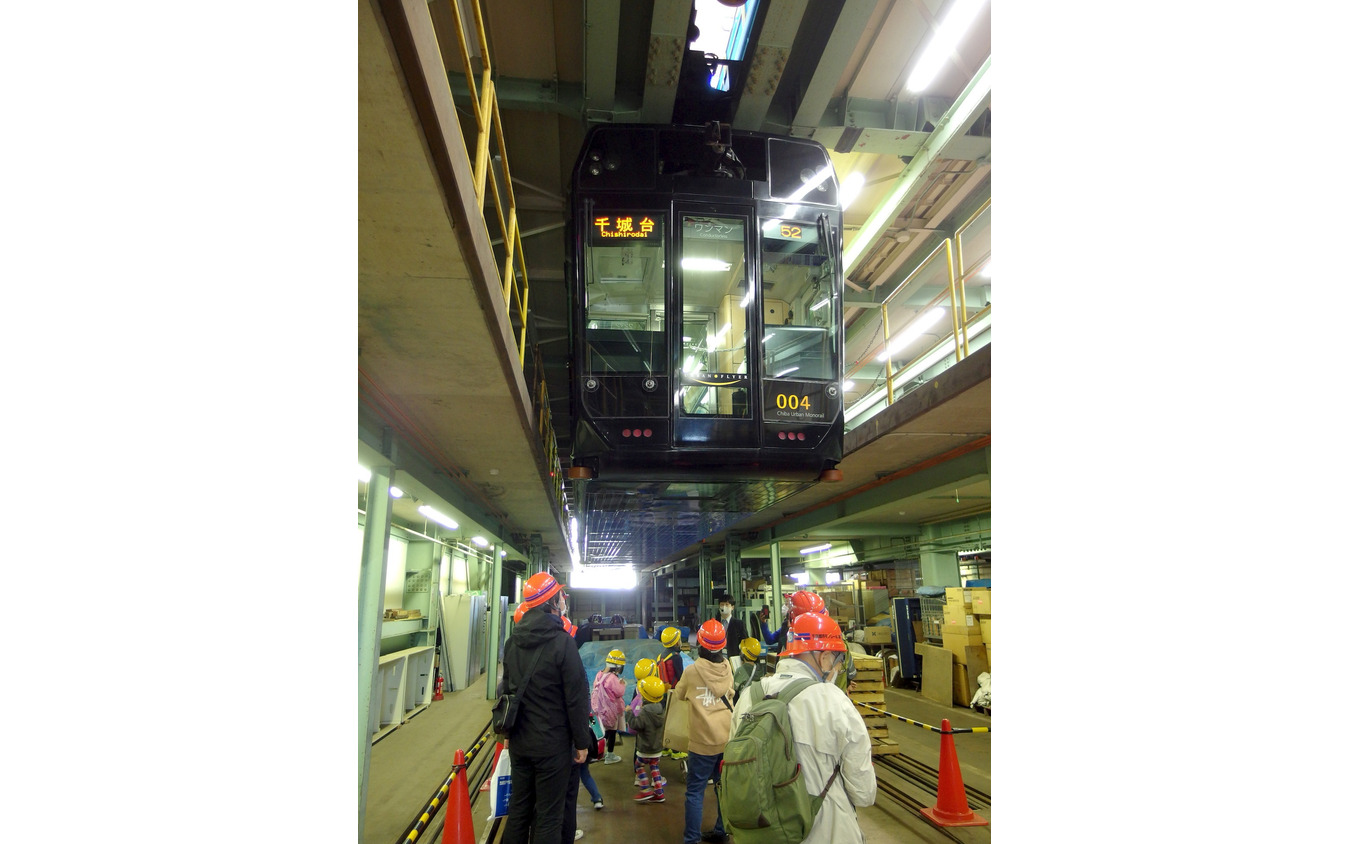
[(507, 708)]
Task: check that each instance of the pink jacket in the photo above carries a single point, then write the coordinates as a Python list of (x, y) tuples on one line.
[(607, 700)]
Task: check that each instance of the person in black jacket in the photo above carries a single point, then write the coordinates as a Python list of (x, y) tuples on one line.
[(735, 627), (552, 732)]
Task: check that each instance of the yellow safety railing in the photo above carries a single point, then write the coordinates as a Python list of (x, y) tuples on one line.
[(483, 98), (951, 250), (545, 413)]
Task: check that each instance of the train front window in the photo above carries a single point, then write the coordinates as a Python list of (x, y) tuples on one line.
[(716, 299), (625, 293), (800, 302)]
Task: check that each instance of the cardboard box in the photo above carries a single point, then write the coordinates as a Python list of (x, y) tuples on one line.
[(877, 635), (956, 638), (953, 615), (984, 630), (957, 595), (980, 601)]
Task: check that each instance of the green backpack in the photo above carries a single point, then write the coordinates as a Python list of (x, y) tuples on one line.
[(763, 798)]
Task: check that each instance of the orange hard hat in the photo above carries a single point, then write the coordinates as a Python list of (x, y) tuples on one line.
[(815, 632), (712, 635), (538, 589), (803, 601)]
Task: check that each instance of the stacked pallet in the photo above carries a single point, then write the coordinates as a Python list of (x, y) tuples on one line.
[(869, 688)]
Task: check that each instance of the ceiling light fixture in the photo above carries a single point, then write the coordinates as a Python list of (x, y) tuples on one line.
[(438, 517), (708, 264), (848, 385), (480, 542), (949, 31), (849, 191), (395, 492), (362, 474), (911, 333), (814, 548)]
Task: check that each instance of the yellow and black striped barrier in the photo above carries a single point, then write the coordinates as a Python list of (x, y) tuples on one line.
[(434, 804), (953, 731)]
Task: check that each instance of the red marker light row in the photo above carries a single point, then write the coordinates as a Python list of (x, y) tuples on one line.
[(791, 435), (637, 432)]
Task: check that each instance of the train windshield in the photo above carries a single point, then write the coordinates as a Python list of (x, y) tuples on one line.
[(625, 318)]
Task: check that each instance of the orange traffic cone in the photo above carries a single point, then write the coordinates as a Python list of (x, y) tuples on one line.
[(458, 814), (952, 808), (487, 783)]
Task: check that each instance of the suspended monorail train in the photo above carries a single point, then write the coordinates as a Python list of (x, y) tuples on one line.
[(706, 318)]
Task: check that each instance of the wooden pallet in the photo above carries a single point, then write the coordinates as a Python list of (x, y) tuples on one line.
[(884, 748)]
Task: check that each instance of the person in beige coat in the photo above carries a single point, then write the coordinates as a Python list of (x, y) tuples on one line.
[(706, 686)]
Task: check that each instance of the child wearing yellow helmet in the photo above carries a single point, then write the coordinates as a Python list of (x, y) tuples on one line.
[(649, 722), (607, 700), (670, 667), (751, 669)]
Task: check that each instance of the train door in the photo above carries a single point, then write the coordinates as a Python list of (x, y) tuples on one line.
[(716, 399)]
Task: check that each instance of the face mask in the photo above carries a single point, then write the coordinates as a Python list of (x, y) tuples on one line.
[(726, 612)]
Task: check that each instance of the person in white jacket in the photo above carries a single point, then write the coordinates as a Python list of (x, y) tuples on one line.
[(826, 728)]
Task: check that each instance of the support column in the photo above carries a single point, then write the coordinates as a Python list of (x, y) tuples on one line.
[(369, 612), (494, 624), (704, 582), (537, 561), (776, 567), (734, 578)]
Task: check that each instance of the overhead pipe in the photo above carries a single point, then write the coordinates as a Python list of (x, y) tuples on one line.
[(973, 100)]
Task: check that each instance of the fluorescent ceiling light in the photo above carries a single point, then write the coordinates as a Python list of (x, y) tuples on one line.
[(710, 264), (395, 492), (814, 548), (822, 303), (912, 332), (949, 31), (852, 186), (848, 385), (800, 578), (831, 577), (438, 517), (480, 542), (362, 474), (987, 270)]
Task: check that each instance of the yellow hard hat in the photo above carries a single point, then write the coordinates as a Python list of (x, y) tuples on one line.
[(616, 657), (670, 636), (750, 648), (644, 668), (651, 689)]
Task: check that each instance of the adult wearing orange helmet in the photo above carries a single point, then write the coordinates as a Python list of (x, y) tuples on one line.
[(706, 685), (541, 665), (812, 660), (799, 602)]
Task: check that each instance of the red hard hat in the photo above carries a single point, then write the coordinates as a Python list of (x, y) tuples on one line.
[(803, 601), (538, 589), (569, 627), (815, 632), (519, 613), (712, 635)]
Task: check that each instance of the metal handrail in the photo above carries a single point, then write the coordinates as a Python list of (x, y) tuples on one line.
[(488, 117), (951, 249)]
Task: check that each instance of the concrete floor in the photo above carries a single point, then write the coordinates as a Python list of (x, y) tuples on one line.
[(409, 764)]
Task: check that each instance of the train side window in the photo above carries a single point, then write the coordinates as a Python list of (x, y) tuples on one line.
[(625, 293)]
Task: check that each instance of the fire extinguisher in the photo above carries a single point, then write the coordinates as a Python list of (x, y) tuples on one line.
[(440, 688)]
